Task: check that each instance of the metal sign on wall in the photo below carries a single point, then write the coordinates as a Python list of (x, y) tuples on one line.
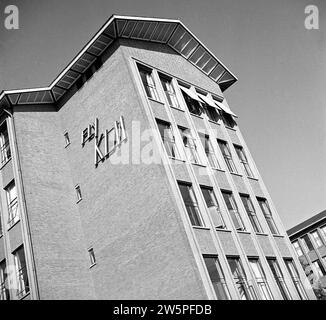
[(105, 143)]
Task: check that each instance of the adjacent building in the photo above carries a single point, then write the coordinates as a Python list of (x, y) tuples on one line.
[(309, 241), (128, 178)]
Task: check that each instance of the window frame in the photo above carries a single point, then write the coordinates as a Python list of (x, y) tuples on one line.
[(169, 139), (170, 95), (243, 160), (190, 147), (5, 150), (260, 278), (149, 87), (294, 275), (216, 210), (220, 275), (279, 277), (4, 281), (227, 155), (12, 204), (317, 240), (234, 213), (240, 278), (209, 151), (268, 215), (192, 207), (251, 213), (23, 286)]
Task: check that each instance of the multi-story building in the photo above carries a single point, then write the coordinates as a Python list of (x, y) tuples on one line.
[(128, 178), (309, 241)]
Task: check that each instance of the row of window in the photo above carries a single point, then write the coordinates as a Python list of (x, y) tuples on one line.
[(12, 203), (191, 204), (191, 150), (310, 241), (197, 103), (246, 290), (21, 284)]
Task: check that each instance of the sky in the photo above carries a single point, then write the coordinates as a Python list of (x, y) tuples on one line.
[(280, 96)]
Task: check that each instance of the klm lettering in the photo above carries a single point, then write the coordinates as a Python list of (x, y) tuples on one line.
[(105, 143)]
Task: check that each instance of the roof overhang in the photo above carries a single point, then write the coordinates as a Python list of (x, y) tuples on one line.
[(170, 32)]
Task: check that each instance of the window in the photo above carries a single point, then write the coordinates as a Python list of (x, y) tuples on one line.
[(92, 256), (260, 279), (5, 153), (297, 248), (21, 272), (192, 101), (317, 239), (167, 138), (243, 161), (228, 120), (211, 113), (233, 210), (268, 215), (227, 155), (190, 145), (169, 92), (323, 232), (239, 277), (278, 276), (307, 243), (13, 210), (4, 291), (295, 278), (319, 268), (251, 213), (190, 202), (78, 193), (148, 82), (67, 139), (217, 277), (213, 206), (209, 151)]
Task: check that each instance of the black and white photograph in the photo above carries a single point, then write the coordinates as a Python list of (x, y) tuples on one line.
[(162, 151)]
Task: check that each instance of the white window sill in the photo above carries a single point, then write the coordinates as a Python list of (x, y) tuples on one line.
[(236, 174), (175, 108), (277, 235), (227, 127), (198, 164), (160, 102), (212, 121), (201, 228), (217, 169), (252, 178), (79, 200), (68, 144), (24, 296), (261, 234), (3, 165), (92, 265), (177, 159), (12, 225), (223, 230), (197, 116), (243, 231)]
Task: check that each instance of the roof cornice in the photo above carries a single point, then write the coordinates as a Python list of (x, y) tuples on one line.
[(167, 31)]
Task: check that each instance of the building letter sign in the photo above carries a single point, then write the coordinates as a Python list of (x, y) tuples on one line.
[(105, 143)]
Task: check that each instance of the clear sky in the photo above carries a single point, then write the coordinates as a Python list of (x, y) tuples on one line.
[(280, 96)]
